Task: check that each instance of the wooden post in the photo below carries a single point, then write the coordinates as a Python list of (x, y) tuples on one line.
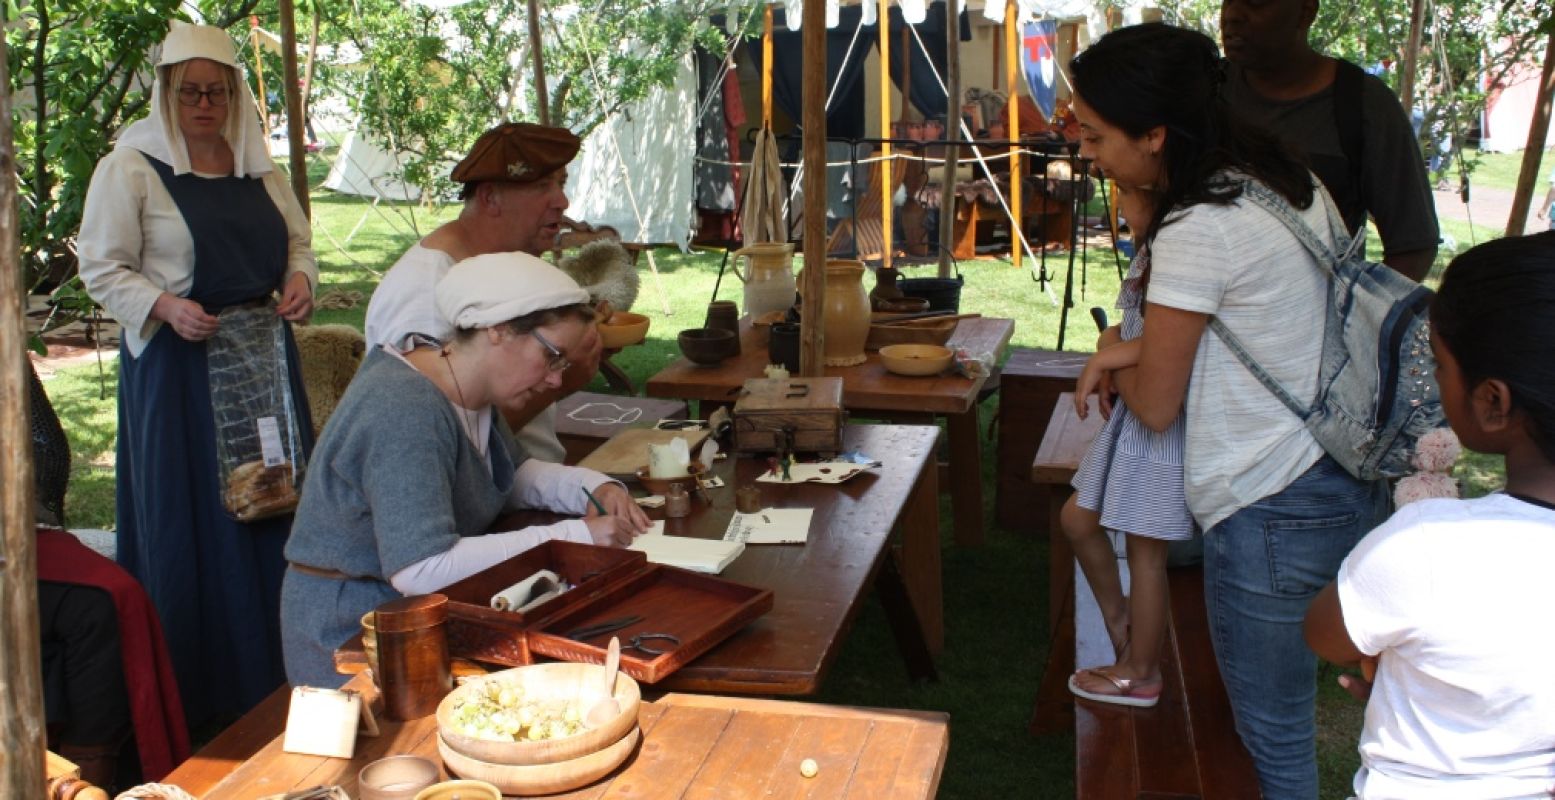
[(766, 63), (22, 742), (1406, 86), (1538, 132), (537, 51), (259, 77), (1012, 86), (297, 147), (812, 337), (947, 200), (884, 189)]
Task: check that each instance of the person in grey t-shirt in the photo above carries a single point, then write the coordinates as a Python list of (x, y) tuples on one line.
[(1277, 80)]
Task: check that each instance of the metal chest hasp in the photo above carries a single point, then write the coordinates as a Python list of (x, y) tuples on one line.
[(803, 415)]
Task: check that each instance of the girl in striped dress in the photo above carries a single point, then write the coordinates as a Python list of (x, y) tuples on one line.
[(1131, 481)]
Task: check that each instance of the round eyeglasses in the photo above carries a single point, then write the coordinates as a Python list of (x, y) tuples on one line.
[(190, 96), (555, 361)]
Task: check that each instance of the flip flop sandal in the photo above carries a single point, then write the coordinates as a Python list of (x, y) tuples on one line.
[(1131, 692)]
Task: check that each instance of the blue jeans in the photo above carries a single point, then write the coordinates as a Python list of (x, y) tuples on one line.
[(1262, 567)]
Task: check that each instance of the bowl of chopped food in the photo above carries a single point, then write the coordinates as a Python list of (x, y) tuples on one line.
[(535, 714)]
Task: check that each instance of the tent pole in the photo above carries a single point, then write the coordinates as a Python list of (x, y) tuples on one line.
[(884, 189), (1406, 87), (766, 66), (1538, 132), (22, 740), (1012, 111), (259, 76), (298, 149), (543, 103), (812, 325), (947, 199)]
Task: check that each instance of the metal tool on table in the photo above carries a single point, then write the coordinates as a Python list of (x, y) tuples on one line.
[(636, 642)]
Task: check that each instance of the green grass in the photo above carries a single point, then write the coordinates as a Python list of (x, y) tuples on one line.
[(995, 606), (1500, 170)]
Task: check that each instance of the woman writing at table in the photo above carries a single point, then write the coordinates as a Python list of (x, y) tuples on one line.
[(414, 465)]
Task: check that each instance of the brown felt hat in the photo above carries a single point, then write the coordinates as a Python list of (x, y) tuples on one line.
[(517, 152)]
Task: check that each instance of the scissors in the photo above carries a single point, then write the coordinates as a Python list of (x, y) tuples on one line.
[(634, 643)]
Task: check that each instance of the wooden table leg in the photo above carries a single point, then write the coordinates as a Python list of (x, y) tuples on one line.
[(1054, 711), (615, 377), (918, 533), (966, 477), (905, 625)]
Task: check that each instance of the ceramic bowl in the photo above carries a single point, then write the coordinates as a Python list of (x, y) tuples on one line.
[(396, 778), (460, 790), (662, 485), (916, 360), (622, 329), (558, 681), (707, 346)]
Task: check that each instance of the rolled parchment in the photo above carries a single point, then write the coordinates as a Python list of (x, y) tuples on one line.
[(529, 592)]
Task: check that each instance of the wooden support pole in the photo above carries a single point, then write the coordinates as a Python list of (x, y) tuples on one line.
[(297, 146), (812, 337), (259, 76), (947, 200), (884, 189), (537, 53), (22, 741), (1012, 86), (1406, 86), (1538, 133), (766, 66)]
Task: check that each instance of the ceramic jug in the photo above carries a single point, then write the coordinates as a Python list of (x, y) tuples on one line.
[(847, 313), (768, 277)]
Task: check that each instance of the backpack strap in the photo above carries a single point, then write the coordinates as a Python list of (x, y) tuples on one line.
[(1349, 119)]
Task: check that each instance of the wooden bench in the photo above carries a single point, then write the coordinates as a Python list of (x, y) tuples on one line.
[(1184, 747), (1029, 383)]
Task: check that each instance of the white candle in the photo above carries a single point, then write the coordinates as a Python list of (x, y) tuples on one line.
[(668, 460)]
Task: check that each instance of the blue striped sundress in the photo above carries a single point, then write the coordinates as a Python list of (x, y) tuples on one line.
[(1131, 474)]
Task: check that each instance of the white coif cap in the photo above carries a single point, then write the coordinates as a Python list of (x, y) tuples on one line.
[(491, 289), (185, 41)]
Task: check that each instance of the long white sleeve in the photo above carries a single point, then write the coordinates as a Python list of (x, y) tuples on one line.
[(472, 554), (542, 484)]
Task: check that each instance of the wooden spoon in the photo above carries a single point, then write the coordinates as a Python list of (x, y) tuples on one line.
[(606, 709)]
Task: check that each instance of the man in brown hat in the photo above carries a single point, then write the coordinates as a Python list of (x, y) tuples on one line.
[(514, 195)]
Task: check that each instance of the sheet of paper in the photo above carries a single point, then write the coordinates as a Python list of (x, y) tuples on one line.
[(698, 555), (770, 526), (823, 472)]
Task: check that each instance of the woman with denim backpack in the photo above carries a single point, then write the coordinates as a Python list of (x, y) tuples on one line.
[(1278, 514)]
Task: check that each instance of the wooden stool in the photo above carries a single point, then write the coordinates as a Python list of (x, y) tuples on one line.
[(1029, 384)]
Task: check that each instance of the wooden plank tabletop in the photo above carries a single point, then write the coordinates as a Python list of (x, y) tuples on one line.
[(693, 747), (817, 587), (1065, 442), (865, 387)]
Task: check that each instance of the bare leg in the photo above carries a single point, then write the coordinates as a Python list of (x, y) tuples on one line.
[(1093, 550), (1140, 660)]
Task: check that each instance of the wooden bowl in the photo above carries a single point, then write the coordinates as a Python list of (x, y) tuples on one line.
[(622, 329), (902, 305), (461, 790), (662, 485), (539, 779), (558, 680), (707, 346), (916, 360)]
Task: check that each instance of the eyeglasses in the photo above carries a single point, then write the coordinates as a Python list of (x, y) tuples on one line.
[(190, 96), (555, 361)]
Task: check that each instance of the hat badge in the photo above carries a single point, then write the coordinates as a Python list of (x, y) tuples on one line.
[(518, 169)]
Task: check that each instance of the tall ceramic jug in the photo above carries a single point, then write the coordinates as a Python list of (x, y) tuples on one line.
[(847, 313), (768, 278)]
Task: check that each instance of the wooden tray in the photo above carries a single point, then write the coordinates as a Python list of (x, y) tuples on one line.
[(702, 610), (621, 455), (923, 333)]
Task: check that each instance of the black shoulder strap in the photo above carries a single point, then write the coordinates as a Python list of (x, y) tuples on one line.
[(1349, 119)]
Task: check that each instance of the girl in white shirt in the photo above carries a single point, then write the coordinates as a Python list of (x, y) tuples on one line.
[(1446, 603)]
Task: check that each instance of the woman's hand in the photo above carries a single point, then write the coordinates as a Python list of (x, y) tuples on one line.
[(619, 503), (610, 530), (1093, 380), (296, 299), (187, 317)]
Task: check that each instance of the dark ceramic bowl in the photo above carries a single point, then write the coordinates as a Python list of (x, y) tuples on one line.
[(707, 346)]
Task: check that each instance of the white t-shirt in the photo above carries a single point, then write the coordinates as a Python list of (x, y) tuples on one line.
[(405, 303), (1237, 262), (1455, 596)]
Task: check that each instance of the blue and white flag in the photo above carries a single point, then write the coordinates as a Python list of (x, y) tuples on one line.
[(1039, 59)]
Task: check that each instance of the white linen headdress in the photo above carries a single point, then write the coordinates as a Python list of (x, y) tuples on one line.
[(158, 134), (491, 289)]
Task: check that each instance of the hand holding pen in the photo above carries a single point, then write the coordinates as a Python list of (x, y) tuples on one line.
[(613, 517)]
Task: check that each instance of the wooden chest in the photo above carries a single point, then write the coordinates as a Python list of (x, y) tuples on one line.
[(804, 414)]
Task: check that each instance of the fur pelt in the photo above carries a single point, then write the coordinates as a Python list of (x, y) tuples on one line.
[(329, 356), (604, 269)]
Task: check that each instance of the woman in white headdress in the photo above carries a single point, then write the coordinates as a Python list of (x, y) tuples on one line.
[(185, 217)]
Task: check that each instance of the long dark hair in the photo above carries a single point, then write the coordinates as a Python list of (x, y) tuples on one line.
[(1153, 74), (1495, 312)]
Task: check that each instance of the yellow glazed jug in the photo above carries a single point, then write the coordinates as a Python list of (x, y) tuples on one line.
[(768, 278), (847, 313)]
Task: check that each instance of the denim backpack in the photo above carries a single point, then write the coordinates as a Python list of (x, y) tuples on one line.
[(1376, 389)]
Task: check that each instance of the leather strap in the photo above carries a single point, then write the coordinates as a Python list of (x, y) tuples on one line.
[(317, 572)]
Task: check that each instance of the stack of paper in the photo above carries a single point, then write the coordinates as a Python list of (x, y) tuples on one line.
[(698, 555), (770, 526)]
